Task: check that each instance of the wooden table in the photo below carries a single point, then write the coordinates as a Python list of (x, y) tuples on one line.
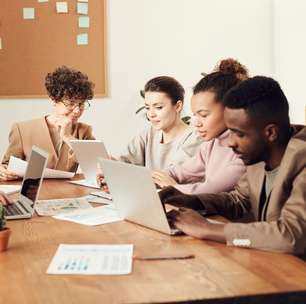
[(218, 274)]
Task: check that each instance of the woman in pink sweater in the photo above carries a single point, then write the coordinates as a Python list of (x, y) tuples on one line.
[(215, 167)]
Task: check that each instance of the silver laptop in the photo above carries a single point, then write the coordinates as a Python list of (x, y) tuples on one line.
[(87, 153), (135, 196), (23, 207)]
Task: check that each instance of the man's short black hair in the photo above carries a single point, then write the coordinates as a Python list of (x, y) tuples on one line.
[(262, 98)]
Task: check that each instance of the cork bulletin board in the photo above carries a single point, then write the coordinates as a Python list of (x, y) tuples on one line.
[(36, 41)]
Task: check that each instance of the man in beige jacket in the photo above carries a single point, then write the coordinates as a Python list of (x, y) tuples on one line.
[(274, 187)]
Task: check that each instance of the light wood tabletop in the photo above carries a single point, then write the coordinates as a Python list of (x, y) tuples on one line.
[(217, 274)]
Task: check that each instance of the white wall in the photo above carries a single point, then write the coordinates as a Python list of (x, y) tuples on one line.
[(146, 38), (290, 52)]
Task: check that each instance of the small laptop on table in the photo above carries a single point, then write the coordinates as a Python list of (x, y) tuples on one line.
[(135, 196), (23, 207), (87, 153)]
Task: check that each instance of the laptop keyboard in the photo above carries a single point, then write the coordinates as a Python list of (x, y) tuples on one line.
[(12, 209)]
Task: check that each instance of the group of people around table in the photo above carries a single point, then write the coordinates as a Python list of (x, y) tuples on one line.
[(240, 157)]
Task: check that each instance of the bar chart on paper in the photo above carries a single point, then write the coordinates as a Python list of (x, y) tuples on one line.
[(92, 259)]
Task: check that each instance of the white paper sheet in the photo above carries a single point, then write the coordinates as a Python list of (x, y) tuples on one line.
[(92, 259), (18, 166), (9, 189), (61, 206), (92, 217)]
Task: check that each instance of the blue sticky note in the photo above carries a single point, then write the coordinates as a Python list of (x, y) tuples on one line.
[(82, 39), (82, 8), (84, 21), (62, 7), (28, 13)]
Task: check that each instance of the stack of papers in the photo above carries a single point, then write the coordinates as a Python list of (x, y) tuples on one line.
[(92, 217), (18, 166), (92, 259)]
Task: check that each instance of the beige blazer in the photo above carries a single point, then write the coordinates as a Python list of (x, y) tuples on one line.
[(281, 226), (24, 135)]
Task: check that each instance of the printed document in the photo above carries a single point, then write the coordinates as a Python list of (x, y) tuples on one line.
[(92, 259), (92, 217), (60, 206), (18, 166)]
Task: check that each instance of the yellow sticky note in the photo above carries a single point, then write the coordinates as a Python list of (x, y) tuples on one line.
[(28, 13), (62, 7)]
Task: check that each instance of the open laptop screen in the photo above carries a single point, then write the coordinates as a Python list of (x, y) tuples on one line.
[(33, 175)]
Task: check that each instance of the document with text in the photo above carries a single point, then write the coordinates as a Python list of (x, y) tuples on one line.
[(92, 259), (93, 216), (18, 166), (61, 206)]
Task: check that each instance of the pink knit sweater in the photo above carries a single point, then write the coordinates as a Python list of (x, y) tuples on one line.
[(214, 168)]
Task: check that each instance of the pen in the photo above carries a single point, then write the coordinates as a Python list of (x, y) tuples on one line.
[(106, 196), (156, 258)]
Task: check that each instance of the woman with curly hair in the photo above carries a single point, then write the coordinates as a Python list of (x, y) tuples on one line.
[(215, 167), (69, 91), (167, 140)]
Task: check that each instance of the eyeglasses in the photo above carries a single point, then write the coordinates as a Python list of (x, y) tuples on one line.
[(72, 105)]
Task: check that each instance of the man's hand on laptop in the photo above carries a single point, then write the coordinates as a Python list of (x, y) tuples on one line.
[(101, 182), (192, 223), (6, 175), (172, 196), (4, 199)]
